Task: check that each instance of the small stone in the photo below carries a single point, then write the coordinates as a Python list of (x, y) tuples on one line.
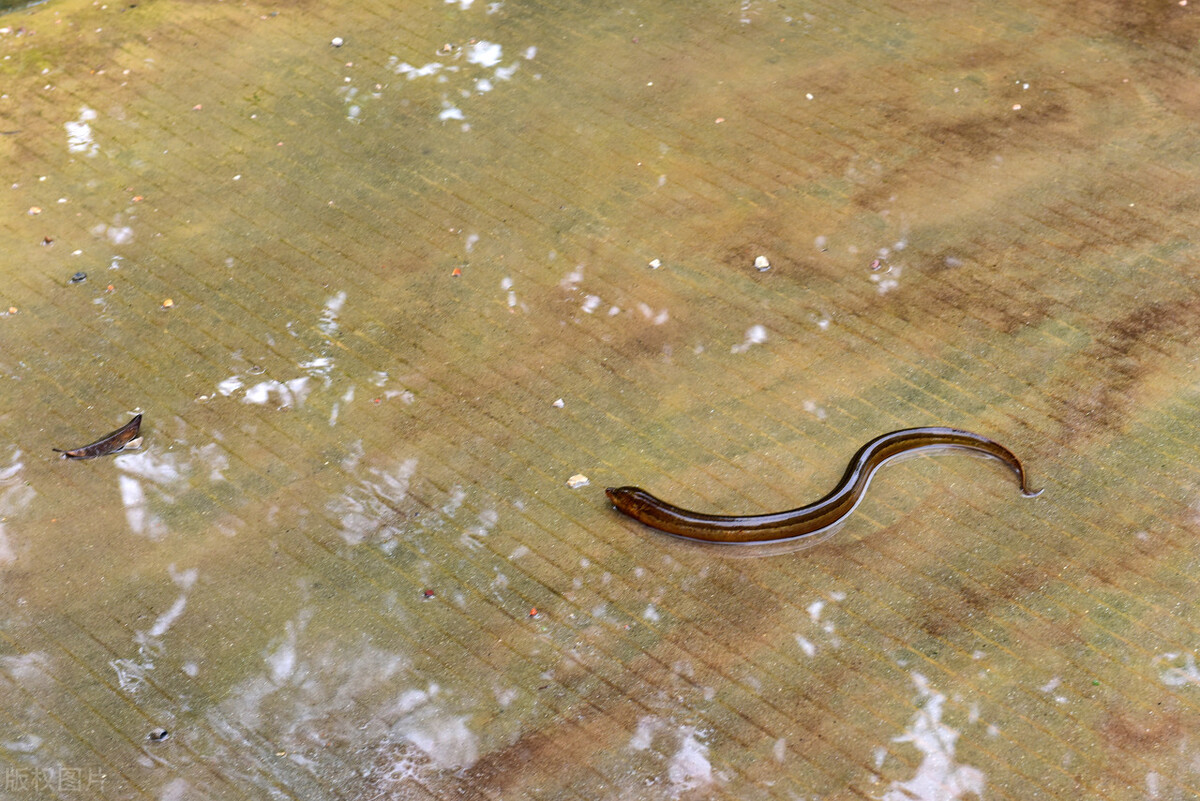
[(578, 480), (761, 264), (337, 41), (655, 264), (78, 278), (558, 404)]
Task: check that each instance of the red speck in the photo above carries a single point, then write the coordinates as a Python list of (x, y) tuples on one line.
[(427, 594), (376, 400), (533, 612), (456, 272)]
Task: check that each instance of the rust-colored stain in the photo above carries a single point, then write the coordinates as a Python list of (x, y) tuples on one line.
[(405, 286)]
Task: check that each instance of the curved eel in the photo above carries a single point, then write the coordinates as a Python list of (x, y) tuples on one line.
[(819, 516)]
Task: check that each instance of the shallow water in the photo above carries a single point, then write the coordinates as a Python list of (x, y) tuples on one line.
[(379, 301)]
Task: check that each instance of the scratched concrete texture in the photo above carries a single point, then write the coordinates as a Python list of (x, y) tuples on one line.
[(390, 279)]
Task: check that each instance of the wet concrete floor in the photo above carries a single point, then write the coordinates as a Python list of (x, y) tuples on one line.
[(400, 287)]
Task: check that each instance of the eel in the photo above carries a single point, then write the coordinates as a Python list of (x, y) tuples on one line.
[(819, 516)]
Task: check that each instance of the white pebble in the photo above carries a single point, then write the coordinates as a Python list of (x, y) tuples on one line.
[(337, 41), (761, 264)]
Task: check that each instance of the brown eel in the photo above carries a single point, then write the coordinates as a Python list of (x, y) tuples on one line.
[(109, 443), (819, 516)]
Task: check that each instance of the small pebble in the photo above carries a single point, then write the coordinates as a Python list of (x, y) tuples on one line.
[(158, 735), (578, 480), (761, 264), (337, 41), (168, 303), (655, 264), (78, 278), (558, 404)]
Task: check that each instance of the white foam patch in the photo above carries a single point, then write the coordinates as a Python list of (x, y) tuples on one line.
[(147, 464), (230, 385), (28, 669), (329, 314), (282, 661), (755, 335), (1178, 675), (487, 521), (142, 471), (7, 554), (485, 54), (79, 133), (938, 777), (120, 234), (444, 738), (643, 735), (367, 509), (164, 621), (286, 393), (15, 495), (134, 500), (215, 458), (689, 768), (404, 68)]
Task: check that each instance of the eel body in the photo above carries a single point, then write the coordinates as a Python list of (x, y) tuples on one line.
[(819, 516)]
